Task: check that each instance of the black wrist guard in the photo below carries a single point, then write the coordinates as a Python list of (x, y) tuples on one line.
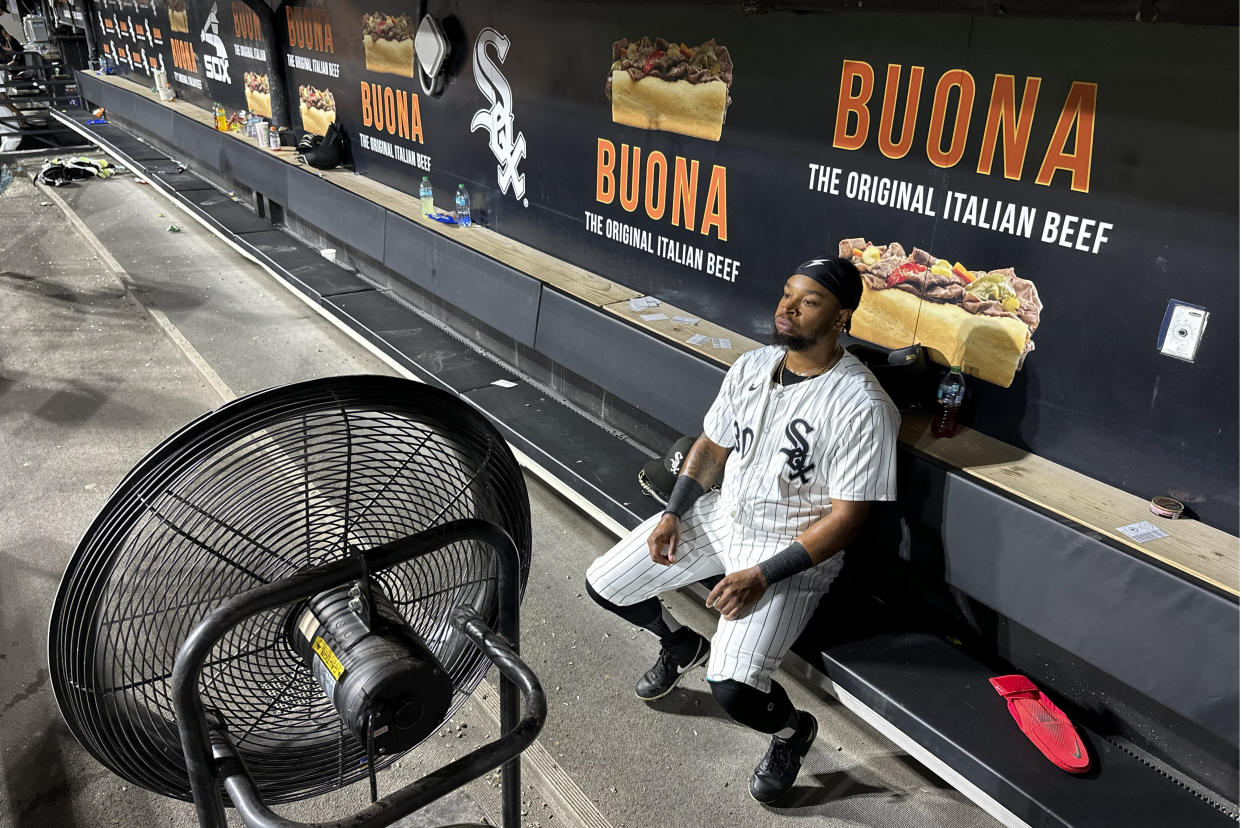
[(789, 561), (685, 491)]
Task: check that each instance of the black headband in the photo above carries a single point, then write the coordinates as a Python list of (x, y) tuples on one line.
[(839, 275)]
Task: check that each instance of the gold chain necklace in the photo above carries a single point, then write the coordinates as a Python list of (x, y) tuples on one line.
[(836, 357)]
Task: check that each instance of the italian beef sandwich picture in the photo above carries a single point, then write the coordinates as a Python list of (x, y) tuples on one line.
[(317, 108), (258, 94), (982, 320), (674, 87), (388, 43), (177, 19)]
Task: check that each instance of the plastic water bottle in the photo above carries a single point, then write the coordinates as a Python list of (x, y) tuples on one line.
[(949, 399), (222, 121), (463, 206), (425, 195)]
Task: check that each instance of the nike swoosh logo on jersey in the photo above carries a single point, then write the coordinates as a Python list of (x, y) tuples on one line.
[(753, 387)]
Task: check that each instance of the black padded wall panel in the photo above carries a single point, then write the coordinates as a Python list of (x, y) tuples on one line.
[(337, 212), (1170, 638), (199, 142), (152, 117), (407, 249), (257, 169), (656, 377), (488, 290)]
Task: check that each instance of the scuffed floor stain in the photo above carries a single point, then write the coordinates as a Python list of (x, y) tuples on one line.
[(28, 691)]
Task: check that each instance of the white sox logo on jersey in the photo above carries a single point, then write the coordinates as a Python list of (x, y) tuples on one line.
[(795, 456), (508, 148)]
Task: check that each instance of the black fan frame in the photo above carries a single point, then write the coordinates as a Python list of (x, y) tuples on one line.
[(247, 415)]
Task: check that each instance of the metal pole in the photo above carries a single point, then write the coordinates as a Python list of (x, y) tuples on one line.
[(92, 57), (511, 773), (275, 50)]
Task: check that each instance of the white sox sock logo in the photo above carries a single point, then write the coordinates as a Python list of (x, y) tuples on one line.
[(216, 66), (799, 469), (498, 120)]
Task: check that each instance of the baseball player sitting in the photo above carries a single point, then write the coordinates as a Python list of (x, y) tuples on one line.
[(800, 439)]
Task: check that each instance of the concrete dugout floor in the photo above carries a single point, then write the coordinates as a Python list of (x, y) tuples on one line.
[(97, 367)]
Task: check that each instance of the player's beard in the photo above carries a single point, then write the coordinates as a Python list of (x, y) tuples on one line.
[(792, 342)]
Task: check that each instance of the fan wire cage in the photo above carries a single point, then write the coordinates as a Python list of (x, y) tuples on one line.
[(257, 491)]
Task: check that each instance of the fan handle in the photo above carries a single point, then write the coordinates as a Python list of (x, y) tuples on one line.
[(192, 723)]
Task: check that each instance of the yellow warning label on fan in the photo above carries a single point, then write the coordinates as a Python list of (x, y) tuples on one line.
[(329, 659)]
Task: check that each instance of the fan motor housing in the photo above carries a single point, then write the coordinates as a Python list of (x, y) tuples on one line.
[(372, 666)]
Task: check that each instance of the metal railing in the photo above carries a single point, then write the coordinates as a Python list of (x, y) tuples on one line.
[(29, 93)]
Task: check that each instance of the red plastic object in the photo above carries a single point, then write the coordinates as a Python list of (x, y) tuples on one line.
[(1043, 723)]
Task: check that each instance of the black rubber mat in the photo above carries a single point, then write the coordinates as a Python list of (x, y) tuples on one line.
[(165, 166), (138, 151), (225, 212), (433, 351), (179, 181), (303, 264), (598, 466)]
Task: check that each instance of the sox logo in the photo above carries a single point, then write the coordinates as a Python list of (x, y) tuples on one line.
[(216, 66), (796, 455), (498, 119)]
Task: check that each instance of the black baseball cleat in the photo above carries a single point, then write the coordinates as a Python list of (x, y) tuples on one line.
[(777, 770), (672, 664)]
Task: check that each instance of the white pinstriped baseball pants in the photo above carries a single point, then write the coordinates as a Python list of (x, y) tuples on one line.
[(748, 649)]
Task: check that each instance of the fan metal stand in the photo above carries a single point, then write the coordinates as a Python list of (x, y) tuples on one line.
[(214, 765)]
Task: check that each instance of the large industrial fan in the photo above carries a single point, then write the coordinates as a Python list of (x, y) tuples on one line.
[(293, 590)]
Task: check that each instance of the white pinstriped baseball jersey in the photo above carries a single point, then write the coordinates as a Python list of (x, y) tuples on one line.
[(794, 449), (797, 447)]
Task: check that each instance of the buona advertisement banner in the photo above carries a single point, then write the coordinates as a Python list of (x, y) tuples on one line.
[(1020, 200), (210, 51)]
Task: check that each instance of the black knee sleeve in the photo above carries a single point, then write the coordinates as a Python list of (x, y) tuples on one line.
[(765, 712), (643, 614)]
